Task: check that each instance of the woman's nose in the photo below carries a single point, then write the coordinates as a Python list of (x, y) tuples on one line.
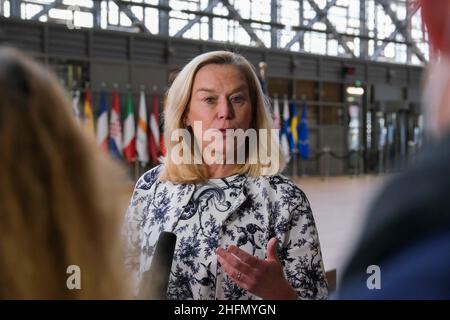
[(225, 110)]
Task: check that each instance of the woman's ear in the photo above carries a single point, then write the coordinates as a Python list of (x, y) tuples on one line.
[(186, 122)]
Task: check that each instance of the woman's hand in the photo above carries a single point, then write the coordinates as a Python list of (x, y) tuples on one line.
[(264, 278)]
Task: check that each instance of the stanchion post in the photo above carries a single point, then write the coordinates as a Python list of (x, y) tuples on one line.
[(380, 161), (302, 166), (295, 166), (326, 151), (354, 161), (360, 162), (136, 170)]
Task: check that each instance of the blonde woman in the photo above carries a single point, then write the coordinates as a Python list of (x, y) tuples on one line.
[(243, 230), (61, 202)]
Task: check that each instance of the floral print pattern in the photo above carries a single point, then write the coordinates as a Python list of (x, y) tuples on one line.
[(239, 210)]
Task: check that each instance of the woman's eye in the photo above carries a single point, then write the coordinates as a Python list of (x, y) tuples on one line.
[(209, 100), (237, 99)]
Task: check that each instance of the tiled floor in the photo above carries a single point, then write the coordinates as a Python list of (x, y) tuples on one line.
[(339, 207)]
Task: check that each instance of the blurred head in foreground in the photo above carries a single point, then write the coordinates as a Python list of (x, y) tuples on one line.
[(60, 199), (403, 251), (436, 96)]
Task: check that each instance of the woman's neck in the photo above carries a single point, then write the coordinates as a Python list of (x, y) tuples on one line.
[(221, 170)]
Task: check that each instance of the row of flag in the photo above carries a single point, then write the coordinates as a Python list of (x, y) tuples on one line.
[(293, 133), (140, 142), (143, 141)]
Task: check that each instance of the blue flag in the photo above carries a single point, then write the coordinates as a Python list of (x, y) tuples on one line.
[(263, 85), (115, 128), (303, 142), (102, 123), (285, 130), (294, 126)]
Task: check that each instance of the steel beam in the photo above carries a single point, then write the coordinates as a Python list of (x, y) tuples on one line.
[(274, 19), (331, 28), (247, 27), (163, 26), (134, 20), (45, 9), (299, 35), (197, 19), (400, 27)]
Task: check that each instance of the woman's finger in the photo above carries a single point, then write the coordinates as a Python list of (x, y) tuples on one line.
[(272, 250), (240, 278), (234, 261), (250, 260)]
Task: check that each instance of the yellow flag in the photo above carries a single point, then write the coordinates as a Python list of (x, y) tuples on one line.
[(88, 115)]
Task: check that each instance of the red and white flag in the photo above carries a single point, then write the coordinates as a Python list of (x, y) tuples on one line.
[(115, 128), (154, 130), (141, 143), (102, 123), (276, 114), (129, 135)]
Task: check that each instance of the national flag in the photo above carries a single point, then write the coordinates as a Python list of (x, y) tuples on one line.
[(294, 125), (263, 85), (303, 142), (285, 130), (141, 142), (102, 123), (88, 115), (154, 130), (163, 146), (129, 135), (76, 104), (276, 114), (115, 128), (162, 143)]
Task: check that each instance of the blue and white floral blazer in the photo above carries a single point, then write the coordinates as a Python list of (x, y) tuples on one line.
[(238, 210)]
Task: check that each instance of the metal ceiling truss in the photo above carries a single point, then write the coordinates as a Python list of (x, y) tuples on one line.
[(401, 27), (310, 24), (246, 25), (125, 8), (321, 15), (190, 23), (46, 8), (331, 28), (233, 14), (392, 36)]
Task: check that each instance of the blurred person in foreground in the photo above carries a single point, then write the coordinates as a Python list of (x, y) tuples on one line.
[(61, 201), (404, 252), (244, 231)]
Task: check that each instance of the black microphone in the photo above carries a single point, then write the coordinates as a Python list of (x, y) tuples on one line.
[(155, 281)]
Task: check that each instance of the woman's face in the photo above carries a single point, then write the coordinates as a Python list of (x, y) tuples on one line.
[(220, 100)]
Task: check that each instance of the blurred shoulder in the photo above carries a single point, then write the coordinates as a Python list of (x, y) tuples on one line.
[(280, 186), (149, 178)]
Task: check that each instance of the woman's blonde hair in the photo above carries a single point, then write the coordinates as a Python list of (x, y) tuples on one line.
[(61, 201), (178, 98)]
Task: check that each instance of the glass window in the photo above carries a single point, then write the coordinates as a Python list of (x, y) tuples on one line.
[(331, 115), (312, 26)]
